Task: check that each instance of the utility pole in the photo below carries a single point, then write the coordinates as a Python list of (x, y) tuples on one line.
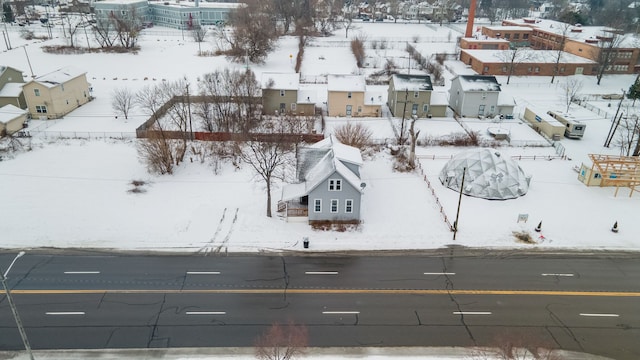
[(12, 305), (613, 127), (455, 223)]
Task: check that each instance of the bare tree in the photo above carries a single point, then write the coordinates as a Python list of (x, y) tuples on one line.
[(347, 21), (515, 346), (233, 104), (282, 342), (155, 151), (122, 26), (199, 33), (606, 51), (122, 101), (269, 160), (559, 48), (71, 23), (570, 90), (254, 34), (512, 58), (354, 134), (628, 135), (357, 48)]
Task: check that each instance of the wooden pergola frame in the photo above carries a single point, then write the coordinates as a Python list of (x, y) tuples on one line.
[(617, 171)]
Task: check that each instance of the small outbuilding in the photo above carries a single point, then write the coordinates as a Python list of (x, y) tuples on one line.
[(488, 175), (12, 119)]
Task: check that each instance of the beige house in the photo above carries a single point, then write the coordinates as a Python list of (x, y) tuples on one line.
[(347, 95), (281, 94), (56, 94), (12, 119), (412, 94), (11, 81)]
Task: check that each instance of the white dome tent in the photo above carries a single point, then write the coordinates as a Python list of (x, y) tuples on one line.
[(489, 175)]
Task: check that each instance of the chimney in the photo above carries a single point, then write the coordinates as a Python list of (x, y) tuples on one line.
[(472, 15)]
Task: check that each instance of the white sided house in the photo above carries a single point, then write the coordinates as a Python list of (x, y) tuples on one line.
[(329, 187), (56, 94), (478, 96)]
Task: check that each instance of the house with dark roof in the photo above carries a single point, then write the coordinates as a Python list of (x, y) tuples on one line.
[(56, 94), (281, 94), (328, 186), (478, 96), (11, 81), (411, 95)]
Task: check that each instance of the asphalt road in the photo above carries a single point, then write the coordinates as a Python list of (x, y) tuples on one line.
[(578, 302)]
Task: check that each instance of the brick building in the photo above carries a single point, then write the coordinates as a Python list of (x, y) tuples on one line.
[(527, 63)]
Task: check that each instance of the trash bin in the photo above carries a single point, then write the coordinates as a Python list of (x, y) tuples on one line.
[(305, 242)]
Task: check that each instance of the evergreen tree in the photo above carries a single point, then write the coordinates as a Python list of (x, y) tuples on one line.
[(7, 13), (634, 90)]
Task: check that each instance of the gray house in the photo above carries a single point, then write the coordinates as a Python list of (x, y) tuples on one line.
[(329, 186), (478, 96)]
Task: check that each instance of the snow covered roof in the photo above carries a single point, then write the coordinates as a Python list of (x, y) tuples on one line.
[(575, 32), (488, 175), (509, 28), (346, 83), (478, 82), (10, 112), (11, 90), (307, 96), (341, 151), (320, 160), (280, 81), (439, 98), (527, 56), (59, 76), (505, 99), (412, 82), (373, 98)]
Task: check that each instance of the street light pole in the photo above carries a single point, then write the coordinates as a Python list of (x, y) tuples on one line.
[(12, 305)]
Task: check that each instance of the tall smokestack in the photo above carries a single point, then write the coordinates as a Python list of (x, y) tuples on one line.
[(472, 15)]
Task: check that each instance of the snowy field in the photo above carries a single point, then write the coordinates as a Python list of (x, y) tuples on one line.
[(75, 193)]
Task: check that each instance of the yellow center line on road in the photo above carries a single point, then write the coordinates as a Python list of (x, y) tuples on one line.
[(334, 291)]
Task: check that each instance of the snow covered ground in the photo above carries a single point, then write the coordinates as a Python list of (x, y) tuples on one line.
[(75, 193)]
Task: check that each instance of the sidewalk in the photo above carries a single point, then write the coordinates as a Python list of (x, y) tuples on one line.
[(423, 353)]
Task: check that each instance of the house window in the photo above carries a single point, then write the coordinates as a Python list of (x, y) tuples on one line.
[(486, 68), (414, 109), (537, 69), (359, 109), (349, 95), (516, 36), (317, 205), (507, 36), (62, 87), (335, 185), (416, 94), (525, 36), (484, 95), (425, 108), (348, 206), (36, 92), (281, 92), (41, 109), (293, 106), (504, 69), (529, 69), (334, 205), (562, 69)]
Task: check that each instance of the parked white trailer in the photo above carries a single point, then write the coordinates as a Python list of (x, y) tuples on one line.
[(574, 128)]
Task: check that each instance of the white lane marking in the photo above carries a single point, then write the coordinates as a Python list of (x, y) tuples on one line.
[(321, 272), (65, 313), (568, 275), (439, 273), (472, 313), (203, 272), (341, 312), (599, 315), (206, 312), (81, 272)]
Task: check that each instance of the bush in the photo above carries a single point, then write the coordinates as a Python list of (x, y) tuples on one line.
[(356, 135), (357, 48)]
